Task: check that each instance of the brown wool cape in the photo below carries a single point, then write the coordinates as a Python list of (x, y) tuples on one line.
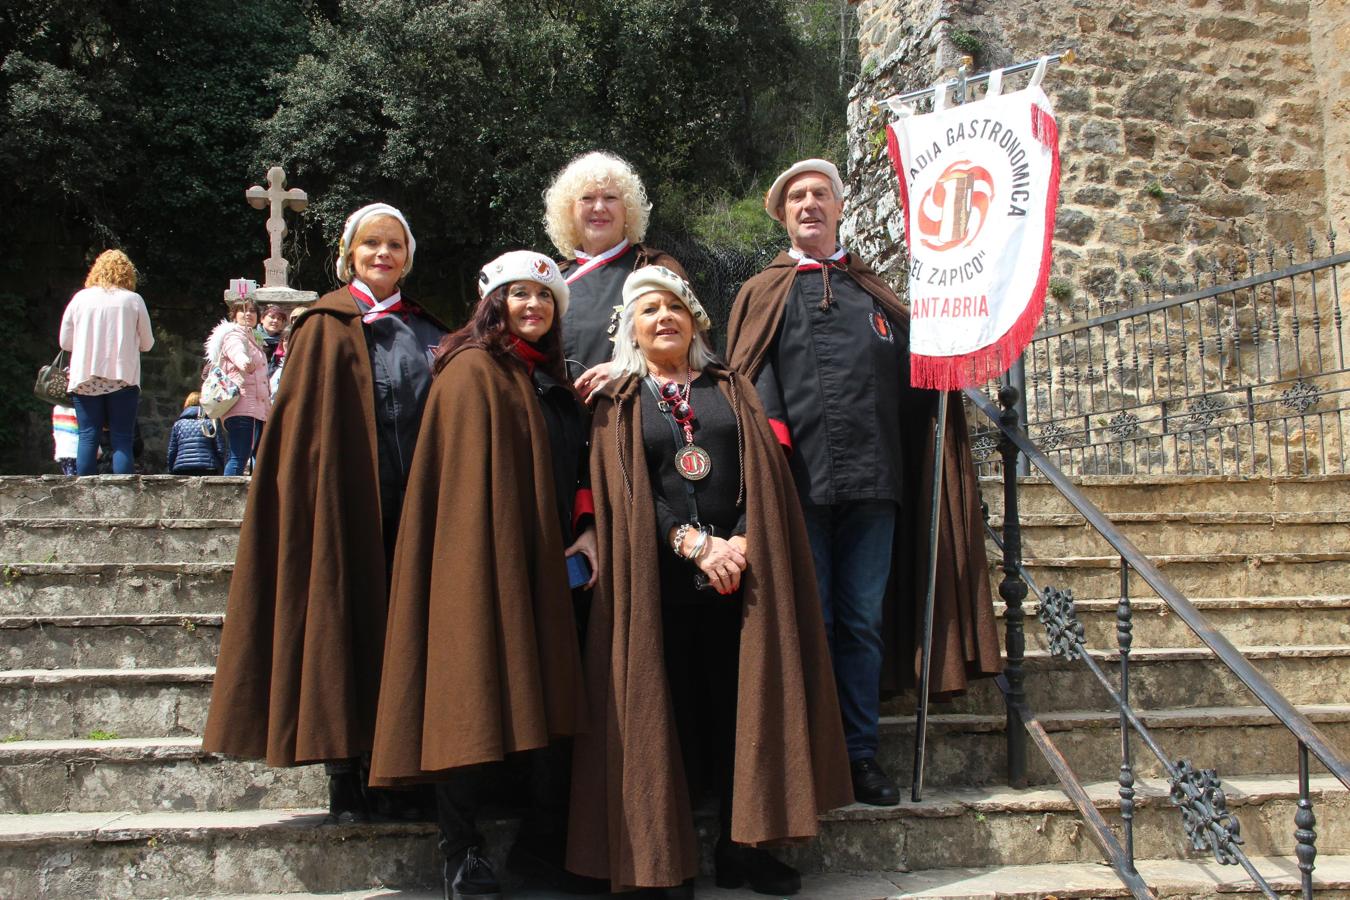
[(297, 677), (630, 816), (965, 641), (481, 657)]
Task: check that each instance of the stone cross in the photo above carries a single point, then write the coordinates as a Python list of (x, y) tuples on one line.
[(279, 199)]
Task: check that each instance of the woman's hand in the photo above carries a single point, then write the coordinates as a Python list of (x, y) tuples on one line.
[(585, 544), (592, 380), (722, 561)]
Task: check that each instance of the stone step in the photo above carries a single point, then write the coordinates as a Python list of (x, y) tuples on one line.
[(1194, 493), (1170, 879), (1255, 621), (109, 540), (42, 704), (1164, 531), (1161, 678), (173, 774), (109, 641), (76, 589), (971, 749), (126, 703), (146, 775), (1201, 574), (271, 851), (124, 496)]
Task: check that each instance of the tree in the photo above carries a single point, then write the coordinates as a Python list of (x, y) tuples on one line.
[(460, 112)]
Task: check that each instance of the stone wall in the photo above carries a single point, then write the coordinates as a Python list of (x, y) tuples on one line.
[(1188, 128), (1193, 132)]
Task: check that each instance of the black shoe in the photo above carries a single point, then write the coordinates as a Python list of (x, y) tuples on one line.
[(683, 891), (871, 785), (541, 863), (346, 802), (736, 864), (469, 876), (397, 805)]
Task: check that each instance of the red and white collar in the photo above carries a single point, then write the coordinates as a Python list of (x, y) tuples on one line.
[(587, 263), (806, 263), (388, 306)]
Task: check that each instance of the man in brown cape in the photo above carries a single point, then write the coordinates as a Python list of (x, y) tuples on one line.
[(826, 343), (631, 820)]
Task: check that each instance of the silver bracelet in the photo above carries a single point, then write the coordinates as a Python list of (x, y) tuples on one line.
[(677, 542), (700, 545)]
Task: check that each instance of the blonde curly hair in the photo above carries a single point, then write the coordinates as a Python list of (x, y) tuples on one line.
[(112, 269), (593, 169)]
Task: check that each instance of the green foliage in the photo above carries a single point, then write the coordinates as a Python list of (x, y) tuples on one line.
[(136, 120), (966, 42), (1061, 289), (738, 223), (99, 734), (1155, 190), (11, 738), (460, 114)]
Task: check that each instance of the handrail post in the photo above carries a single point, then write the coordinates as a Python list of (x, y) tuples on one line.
[(1305, 822), (1125, 639), (1013, 591)]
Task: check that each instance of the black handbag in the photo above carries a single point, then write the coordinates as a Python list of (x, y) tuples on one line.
[(53, 382)]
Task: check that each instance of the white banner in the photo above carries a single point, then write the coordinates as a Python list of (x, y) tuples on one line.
[(978, 183)]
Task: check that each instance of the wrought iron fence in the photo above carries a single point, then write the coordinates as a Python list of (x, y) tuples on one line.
[(716, 272), (1243, 376), (1196, 792)]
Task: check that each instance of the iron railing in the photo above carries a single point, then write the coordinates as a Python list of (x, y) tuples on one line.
[(1244, 377), (1198, 793)]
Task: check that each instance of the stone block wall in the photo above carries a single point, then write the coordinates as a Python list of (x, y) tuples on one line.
[(1195, 135), (1189, 127)]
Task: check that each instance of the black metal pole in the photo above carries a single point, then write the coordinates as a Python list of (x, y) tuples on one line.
[(930, 600), (1013, 590)]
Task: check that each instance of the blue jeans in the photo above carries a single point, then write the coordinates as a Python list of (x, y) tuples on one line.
[(116, 410), (851, 545), (243, 432)]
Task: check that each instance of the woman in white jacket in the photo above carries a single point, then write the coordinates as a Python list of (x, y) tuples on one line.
[(234, 347), (106, 328)]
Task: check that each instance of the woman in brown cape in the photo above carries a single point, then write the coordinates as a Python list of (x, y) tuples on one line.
[(706, 649), (482, 658), (298, 673)]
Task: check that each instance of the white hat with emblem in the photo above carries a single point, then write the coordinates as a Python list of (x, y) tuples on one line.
[(524, 265)]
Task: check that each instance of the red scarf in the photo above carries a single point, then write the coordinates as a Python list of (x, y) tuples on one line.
[(529, 354)]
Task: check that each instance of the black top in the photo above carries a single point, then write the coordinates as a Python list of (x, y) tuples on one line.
[(716, 495), (590, 304), (567, 433), (832, 376), (402, 347)]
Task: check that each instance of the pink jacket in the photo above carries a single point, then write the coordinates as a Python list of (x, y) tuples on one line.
[(242, 360), (106, 330)]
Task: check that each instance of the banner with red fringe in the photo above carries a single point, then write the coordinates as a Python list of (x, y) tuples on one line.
[(979, 184)]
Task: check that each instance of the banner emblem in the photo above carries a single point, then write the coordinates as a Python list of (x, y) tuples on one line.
[(979, 184)]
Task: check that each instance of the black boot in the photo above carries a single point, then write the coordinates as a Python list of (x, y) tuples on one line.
[(469, 876), (541, 862), (346, 803), (683, 891), (736, 864), (871, 784)]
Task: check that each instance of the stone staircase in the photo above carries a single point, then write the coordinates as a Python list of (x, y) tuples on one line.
[(111, 599)]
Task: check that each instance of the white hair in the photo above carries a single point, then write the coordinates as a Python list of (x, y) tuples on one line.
[(628, 358)]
